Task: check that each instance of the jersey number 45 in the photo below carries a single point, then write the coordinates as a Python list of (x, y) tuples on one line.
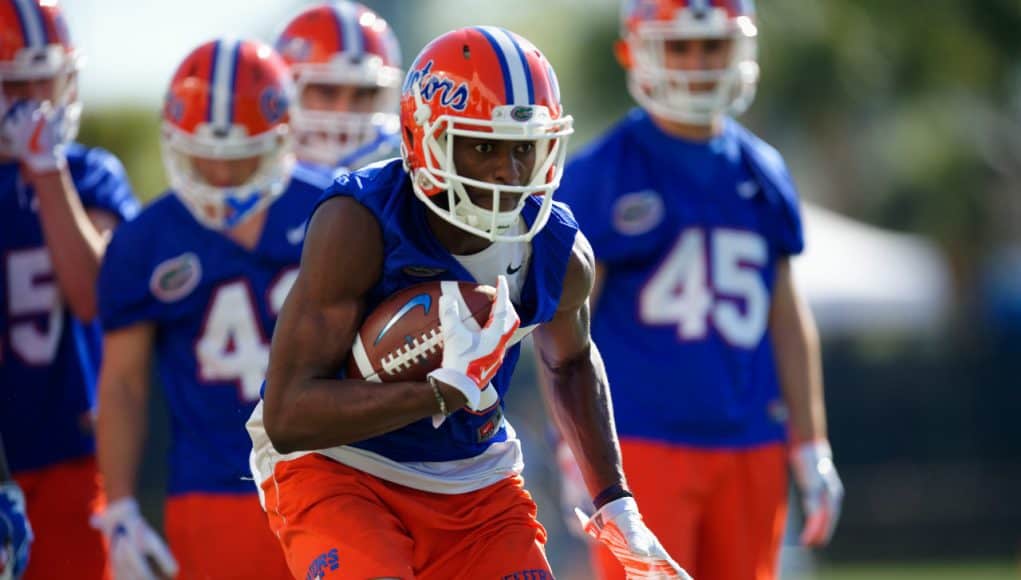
[(735, 300)]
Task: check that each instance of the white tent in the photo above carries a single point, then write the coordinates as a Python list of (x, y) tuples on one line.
[(859, 278)]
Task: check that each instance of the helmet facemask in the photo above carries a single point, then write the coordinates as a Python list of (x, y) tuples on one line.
[(667, 92), (331, 137), (218, 207), (437, 172)]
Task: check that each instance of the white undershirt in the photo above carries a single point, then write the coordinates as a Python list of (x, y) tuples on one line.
[(507, 258)]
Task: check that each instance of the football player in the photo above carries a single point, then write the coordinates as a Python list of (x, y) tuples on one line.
[(198, 280), (59, 201), (422, 479), (346, 65), (712, 350)]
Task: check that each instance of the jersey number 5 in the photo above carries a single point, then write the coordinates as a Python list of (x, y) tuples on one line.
[(32, 292), (233, 346), (735, 300)]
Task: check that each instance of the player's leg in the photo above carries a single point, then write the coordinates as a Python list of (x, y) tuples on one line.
[(489, 533), (60, 500), (744, 522), (671, 485), (331, 522), (223, 536), (765, 469)]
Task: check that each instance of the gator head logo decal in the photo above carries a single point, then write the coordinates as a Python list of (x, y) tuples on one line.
[(522, 114), (175, 278)]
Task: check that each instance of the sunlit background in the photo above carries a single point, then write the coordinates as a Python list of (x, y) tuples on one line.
[(901, 122)]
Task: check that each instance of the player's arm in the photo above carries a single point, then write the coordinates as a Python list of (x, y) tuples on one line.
[(123, 406), (799, 365), (798, 357), (574, 382), (573, 378), (305, 405), (136, 551), (76, 238)]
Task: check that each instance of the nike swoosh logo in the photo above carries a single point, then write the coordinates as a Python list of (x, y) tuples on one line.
[(511, 270), (486, 372), (423, 300)]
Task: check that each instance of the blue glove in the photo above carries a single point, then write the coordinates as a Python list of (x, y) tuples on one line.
[(15, 532)]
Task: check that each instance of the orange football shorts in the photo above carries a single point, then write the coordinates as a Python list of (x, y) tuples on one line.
[(336, 522), (60, 500), (719, 513), (220, 536)]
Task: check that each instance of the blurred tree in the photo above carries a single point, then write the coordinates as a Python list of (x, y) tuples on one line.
[(132, 134)]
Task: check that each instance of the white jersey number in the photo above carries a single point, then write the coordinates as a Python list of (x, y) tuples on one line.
[(233, 346), (32, 292), (736, 300)]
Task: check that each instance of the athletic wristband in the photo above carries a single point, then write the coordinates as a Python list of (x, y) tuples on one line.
[(615, 491)]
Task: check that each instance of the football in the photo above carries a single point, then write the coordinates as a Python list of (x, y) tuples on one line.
[(401, 339)]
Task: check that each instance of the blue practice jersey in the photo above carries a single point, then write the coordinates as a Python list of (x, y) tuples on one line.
[(690, 234), (413, 255), (48, 358), (214, 305)]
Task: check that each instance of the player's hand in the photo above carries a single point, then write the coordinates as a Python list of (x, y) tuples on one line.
[(15, 531), (34, 132), (573, 491), (821, 490), (136, 551), (471, 357), (619, 526)]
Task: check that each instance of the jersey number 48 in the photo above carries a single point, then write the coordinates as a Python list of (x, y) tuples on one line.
[(232, 346)]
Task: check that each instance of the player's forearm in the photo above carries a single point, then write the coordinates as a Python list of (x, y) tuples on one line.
[(320, 413), (76, 247), (799, 363), (578, 395), (121, 428)]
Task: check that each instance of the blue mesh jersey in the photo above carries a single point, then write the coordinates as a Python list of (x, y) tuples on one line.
[(214, 305), (413, 255), (48, 358), (690, 234)]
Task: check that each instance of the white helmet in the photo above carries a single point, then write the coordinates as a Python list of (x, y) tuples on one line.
[(345, 44), (647, 25)]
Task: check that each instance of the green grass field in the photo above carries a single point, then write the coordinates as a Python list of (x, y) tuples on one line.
[(950, 571)]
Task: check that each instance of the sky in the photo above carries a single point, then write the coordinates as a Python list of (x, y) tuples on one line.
[(133, 46)]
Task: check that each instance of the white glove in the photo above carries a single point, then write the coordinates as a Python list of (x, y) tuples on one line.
[(821, 490), (472, 357), (573, 491), (136, 551), (15, 531), (35, 132), (619, 526)]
